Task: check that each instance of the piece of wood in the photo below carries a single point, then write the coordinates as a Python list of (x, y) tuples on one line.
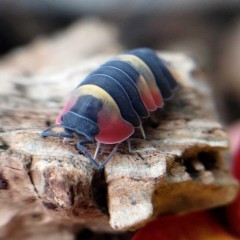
[(47, 184), (180, 167)]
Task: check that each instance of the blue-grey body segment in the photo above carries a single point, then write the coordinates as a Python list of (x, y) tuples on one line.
[(87, 106), (125, 67), (129, 86), (119, 95), (82, 117), (80, 125), (166, 83), (168, 74)]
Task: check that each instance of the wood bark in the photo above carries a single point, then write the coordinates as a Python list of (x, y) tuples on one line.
[(47, 186)]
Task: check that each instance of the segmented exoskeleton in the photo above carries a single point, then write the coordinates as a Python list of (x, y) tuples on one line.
[(113, 100)]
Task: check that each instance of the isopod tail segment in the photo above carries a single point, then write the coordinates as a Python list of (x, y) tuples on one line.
[(160, 69), (111, 102)]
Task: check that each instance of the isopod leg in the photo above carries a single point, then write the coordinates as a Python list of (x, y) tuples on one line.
[(109, 157), (82, 149), (97, 150), (130, 146), (143, 132)]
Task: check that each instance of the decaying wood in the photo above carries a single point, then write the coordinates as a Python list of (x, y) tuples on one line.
[(48, 184)]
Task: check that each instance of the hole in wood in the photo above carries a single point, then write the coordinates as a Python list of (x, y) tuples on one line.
[(202, 162), (208, 159), (99, 191), (3, 182), (3, 145)]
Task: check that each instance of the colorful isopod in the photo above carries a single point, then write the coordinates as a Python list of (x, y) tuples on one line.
[(112, 101)]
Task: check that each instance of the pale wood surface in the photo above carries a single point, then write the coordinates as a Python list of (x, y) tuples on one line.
[(48, 185)]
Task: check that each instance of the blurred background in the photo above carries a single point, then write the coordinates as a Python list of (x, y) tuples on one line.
[(209, 31)]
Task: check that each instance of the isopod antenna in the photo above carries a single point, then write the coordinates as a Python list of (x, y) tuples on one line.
[(47, 133)]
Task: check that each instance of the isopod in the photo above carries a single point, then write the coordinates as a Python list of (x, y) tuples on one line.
[(112, 101)]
